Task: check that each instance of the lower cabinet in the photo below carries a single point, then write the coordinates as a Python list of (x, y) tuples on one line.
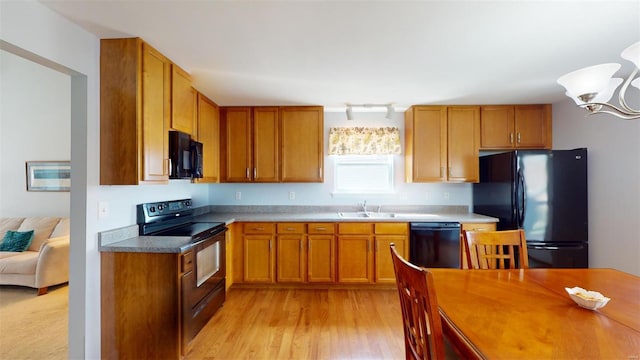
[(319, 253), (471, 227), (355, 255), (141, 309), (259, 253)]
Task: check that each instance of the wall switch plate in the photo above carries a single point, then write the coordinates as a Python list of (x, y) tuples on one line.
[(292, 195), (103, 209), (238, 195)]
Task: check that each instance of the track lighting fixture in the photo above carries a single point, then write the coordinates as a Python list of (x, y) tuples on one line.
[(370, 107)]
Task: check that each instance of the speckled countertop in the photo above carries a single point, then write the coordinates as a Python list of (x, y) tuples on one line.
[(127, 240)]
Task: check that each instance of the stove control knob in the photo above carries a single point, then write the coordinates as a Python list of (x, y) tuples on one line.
[(160, 207), (152, 209), (187, 203)]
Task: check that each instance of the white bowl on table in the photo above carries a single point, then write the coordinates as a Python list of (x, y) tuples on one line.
[(587, 299)]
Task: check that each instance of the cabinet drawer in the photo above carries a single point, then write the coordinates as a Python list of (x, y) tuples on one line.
[(392, 228), (290, 228), (478, 226), (355, 228), (258, 228), (186, 262), (321, 228)]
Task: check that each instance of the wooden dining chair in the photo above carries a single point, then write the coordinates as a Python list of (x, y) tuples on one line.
[(423, 337), (496, 249)]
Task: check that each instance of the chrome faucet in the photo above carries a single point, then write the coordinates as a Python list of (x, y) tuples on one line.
[(364, 206)]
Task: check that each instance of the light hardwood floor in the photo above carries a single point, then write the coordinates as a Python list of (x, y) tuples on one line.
[(303, 324)]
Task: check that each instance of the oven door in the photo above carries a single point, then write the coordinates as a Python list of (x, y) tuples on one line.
[(203, 288)]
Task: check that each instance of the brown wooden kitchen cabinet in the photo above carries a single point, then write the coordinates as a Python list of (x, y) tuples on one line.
[(250, 144), (135, 83), (471, 227), (385, 234), (321, 253), (306, 253), (208, 133), (441, 143), (515, 127), (355, 253), (259, 252), (302, 149), (183, 102), (291, 253), (135, 300)]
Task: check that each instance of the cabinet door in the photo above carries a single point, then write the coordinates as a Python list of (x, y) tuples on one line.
[(321, 258), (155, 114), (209, 136), (302, 149), (497, 127), (355, 259), (236, 136), (384, 264), (426, 152), (463, 139), (265, 144), (290, 258), (533, 126), (258, 258), (183, 101)]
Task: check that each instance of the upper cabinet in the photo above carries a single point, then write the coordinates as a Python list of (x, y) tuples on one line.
[(135, 82), (272, 144), (515, 127), (208, 133), (302, 151), (249, 144), (183, 102), (441, 143)]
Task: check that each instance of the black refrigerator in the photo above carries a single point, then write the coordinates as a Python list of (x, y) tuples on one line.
[(543, 192)]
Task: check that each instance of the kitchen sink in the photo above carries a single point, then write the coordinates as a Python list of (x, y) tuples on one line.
[(385, 215), (365, 215)]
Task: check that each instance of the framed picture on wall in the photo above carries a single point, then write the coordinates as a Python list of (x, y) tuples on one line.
[(48, 176)]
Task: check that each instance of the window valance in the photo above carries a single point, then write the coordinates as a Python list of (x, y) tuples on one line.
[(364, 141)]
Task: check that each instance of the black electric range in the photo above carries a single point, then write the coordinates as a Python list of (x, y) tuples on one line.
[(174, 218)]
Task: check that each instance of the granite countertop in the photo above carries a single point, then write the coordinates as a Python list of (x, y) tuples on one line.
[(126, 239)]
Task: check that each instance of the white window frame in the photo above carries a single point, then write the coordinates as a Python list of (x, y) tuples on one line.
[(350, 170)]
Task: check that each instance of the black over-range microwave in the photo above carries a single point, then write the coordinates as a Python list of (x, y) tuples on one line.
[(185, 156)]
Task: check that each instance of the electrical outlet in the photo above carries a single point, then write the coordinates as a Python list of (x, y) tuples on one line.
[(292, 195), (238, 195), (446, 195)]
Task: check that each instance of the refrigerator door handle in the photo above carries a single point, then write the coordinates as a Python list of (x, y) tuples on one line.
[(521, 201), (544, 247)]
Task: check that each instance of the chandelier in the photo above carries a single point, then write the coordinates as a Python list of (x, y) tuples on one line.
[(592, 87)]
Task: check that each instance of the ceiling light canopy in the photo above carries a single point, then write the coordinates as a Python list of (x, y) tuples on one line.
[(370, 107), (592, 87)]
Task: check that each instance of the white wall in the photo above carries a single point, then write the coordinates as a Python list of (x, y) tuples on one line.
[(614, 181), (37, 33), (35, 125), (321, 193)]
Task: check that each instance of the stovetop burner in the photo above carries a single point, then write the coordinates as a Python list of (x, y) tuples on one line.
[(174, 218)]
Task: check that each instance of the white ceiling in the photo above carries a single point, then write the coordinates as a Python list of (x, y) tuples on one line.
[(403, 52)]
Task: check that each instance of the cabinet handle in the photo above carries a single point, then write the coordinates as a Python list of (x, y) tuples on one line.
[(320, 229), (269, 244), (510, 138), (258, 228), (301, 246), (255, 173), (291, 229), (441, 170), (247, 173), (319, 172), (368, 246), (308, 245), (518, 138)]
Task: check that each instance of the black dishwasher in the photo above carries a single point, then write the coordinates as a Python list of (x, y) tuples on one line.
[(435, 244)]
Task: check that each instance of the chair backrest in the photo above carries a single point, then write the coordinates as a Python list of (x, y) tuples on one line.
[(423, 336), (496, 249)]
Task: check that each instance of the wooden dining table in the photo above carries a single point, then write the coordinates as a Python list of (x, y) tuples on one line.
[(527, 314)]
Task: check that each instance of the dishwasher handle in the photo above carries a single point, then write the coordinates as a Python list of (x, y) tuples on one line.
[(435, 226)]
